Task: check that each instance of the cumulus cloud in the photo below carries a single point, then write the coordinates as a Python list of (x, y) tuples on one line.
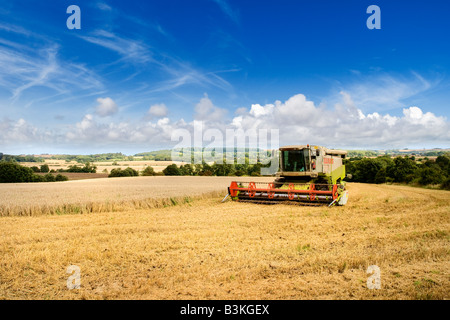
[(299, 121), (415, 115), (106, 107), (158, 110), (96, 132), (22, 132), (206, 111)]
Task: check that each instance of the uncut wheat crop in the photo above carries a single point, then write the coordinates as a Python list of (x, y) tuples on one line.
[(108, 194)]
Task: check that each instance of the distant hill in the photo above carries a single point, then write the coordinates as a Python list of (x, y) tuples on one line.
[(398, 152), (165, 155), (160, 155)]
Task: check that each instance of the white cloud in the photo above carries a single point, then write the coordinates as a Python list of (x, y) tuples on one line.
[(24, 67), (385, 92), (129, 49), (177, 72), (225, 7), (106, 107), (415, 115), (298, 120), (206, 111), (16, 29), (158, 110), (21, 132), (257, 110), (182, 74), (123, 133), (103, 6)]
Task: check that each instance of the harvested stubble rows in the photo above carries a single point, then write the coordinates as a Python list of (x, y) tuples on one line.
[(109, 194), (212, 250)]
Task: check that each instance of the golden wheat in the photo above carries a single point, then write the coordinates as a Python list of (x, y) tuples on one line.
[(107, 194), (211, 250)]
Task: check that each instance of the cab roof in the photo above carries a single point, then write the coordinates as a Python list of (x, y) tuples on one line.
[(326, 150)]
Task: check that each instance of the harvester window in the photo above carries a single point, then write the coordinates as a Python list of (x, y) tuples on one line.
[(294, 160)]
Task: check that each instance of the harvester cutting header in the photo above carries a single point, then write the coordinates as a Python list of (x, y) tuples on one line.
[(307, 175)]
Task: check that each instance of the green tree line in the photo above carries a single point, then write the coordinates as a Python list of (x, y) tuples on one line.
[(216, 169), (204, 169), (29, 158), (405, 169), (11, 172)]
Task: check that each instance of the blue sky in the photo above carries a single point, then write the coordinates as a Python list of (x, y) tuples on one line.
[(137, 71)]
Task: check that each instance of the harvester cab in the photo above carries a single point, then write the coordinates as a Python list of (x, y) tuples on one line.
[(307, 175)]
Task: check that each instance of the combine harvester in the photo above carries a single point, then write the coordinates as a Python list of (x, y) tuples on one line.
[(308, 175)]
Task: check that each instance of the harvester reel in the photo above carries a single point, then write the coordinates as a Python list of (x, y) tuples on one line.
[(298, 193)]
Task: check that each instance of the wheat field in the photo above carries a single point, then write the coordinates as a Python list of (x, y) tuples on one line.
[(107, 194), (205, 249)]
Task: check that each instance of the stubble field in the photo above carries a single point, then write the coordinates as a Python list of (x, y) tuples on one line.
[(204, 249)]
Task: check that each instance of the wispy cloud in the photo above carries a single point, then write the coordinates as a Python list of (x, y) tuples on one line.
[(15, 29), (42, 76), (130, 50), (181, 73), (385, 91), (20, 71), (171, 72), (174, 72), (189, 76), (39, 65), (103, 6), (226, 8)]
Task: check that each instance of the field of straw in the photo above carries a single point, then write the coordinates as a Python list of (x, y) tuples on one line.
[(205, 249)]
